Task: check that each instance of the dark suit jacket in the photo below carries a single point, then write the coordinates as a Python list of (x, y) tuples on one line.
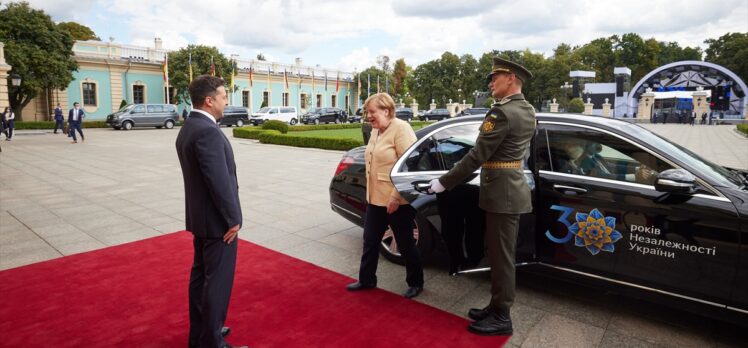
[(81, 115), (210, 184)]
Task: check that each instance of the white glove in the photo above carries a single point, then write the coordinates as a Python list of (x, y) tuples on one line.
[(436, 186)]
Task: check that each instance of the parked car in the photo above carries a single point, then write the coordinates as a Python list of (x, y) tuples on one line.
[(474, 111), (144, 115), (644, 216), (324, 115), (357, 116), (435, 115), (234, 116), (281, 113), (404, 114)]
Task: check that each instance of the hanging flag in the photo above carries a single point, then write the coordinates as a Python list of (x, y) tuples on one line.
[(359, 85), (298, 75), (270, 87), (313, 81), (251, 83), (233, 72), (325, 81), (166, 69), (378, 84), (212, 67), (190, 59), (285, 78), (368, 85), (337, 83)]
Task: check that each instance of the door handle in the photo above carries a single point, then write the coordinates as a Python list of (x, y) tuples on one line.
[(569, 188), (422, 186)]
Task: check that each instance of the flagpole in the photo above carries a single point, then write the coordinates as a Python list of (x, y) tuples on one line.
[(166, 76)]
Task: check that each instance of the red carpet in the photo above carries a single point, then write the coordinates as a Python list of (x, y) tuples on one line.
[(135, 295)]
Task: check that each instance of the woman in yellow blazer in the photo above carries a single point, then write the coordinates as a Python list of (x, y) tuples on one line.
[(390, 137)]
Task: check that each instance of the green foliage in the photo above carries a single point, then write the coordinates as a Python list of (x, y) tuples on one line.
[(731, 51), (265, 103), (576, 105), (38, 50), (277, 125), (271, 136), (370, 76), (79, 32), (122, 104), (51, 124), (179, 67), (743, 128), (489, 102), (249, 132), (304, 128)]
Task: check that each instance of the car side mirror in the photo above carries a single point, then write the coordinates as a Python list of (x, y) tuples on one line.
[(675, 181)]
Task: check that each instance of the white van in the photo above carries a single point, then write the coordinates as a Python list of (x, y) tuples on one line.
[(281, 113)]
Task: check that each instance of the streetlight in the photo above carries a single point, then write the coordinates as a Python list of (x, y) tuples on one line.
[(15, 80), (565, 87)]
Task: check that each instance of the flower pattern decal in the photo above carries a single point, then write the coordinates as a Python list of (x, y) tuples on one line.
[(595, 232)]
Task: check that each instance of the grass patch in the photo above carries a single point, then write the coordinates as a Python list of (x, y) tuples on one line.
[(743, 128)]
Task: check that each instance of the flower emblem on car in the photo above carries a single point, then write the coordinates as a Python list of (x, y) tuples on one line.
[(595, 232)]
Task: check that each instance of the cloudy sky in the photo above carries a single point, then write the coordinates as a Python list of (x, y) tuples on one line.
[(350, 34)]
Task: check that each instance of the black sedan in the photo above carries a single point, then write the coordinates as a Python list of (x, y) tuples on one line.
[(615, 206), (435, 115), (234, 116), (324, 115)]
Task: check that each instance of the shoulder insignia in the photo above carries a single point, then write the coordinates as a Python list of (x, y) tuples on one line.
[(487, 125), (504, 101), (492, 115)]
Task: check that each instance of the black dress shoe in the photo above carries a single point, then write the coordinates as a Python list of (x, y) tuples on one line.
[(478, 313), (225, 331), (359, 286), (494, 324), (413, 291)]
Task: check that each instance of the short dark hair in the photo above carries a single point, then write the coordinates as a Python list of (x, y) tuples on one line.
[(204, 86), (76, 103)]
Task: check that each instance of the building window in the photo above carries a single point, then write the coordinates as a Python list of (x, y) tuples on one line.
[(89, 93), (303, 101), (266, 98), (334, 100), (138, 94), (347, 103), (245, 99), (319, 100), (285, 99), (171, 95)]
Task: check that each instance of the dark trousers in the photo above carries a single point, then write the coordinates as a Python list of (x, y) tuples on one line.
[(211, 280), (501, 241), (375, 224), (76, 126), (10, 125), (462, 226), (58, 125)]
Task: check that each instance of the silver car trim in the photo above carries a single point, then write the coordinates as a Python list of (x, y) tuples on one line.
[(345, 210), (702, 182), (631, 184)]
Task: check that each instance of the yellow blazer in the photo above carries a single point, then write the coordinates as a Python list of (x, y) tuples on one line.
[(382, 151)]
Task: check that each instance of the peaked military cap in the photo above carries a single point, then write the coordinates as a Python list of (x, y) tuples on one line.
[(501, 65)]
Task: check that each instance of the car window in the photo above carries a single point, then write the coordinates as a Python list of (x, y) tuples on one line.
[(423, 158), (588, 152), (140, 109), (273, 111), (263, 110), (155, 108), (288, 110), (453, 143), (170, 108)]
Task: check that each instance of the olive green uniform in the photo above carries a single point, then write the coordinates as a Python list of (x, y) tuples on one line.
[(504, 138)]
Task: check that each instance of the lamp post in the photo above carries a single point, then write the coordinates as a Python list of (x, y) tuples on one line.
[(15, 82), (565, 87)]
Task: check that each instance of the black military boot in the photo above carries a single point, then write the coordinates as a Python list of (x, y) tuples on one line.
[(478, 313), (496, 323)]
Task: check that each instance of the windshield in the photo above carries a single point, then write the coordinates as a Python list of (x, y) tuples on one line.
[(263, 110), (716, 173)]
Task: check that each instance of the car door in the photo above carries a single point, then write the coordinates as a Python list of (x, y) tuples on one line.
[(611, 222), (153, 115), (138, 115), (455, 213)]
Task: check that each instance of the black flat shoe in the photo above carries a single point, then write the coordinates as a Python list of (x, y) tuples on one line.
[(413, 291), (493, 325), (478, 313), (357, 286)]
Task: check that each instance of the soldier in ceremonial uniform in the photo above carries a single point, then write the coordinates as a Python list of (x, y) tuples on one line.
[(499, 150)]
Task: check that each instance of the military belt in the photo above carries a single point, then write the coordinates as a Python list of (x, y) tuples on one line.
[(502, 165)]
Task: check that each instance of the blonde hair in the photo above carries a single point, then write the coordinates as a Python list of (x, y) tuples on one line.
[(381, 101)]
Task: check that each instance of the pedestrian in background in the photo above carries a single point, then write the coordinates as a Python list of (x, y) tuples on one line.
[(75, 120), (2, 124), (9, 117), (59, 119), (390, 137)]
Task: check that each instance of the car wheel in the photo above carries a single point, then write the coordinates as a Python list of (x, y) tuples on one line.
[(159, 127), (127, 125), (421, 233), (292, 122), (169, 124), (117, 127), (316, 121), (239, 123)]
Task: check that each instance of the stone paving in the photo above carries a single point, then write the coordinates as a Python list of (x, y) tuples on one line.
[(58, 199)]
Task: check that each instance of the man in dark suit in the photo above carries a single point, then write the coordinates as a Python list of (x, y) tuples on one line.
[(59, 119), (504, 194), (213, 213), (75, 117)]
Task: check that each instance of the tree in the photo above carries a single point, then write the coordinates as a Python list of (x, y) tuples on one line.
[(398, 75), (731, 51), (370, 75), (576, 105), (179, 70), (261, 57), (39, 52), (78, 32)]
